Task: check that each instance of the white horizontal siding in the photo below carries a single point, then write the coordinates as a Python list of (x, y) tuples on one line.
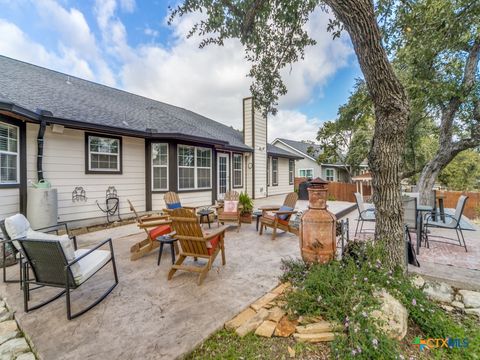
[(64, 167), (195, 198), (283, 186), (10, 202)]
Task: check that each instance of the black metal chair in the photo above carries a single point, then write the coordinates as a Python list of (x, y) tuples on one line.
[(50, 267), (452, 222)]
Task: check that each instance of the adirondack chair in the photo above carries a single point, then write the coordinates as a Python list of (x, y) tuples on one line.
[(154, 226), (195, 243), (172, 202), (229, 216), (279, 217)]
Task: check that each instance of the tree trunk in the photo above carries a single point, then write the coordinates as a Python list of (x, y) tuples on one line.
[(391, 113)]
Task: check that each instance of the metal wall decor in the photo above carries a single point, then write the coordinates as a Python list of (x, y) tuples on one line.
[(79, 194), (112, 203)]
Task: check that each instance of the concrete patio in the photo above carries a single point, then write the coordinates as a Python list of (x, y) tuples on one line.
[(146, 316)]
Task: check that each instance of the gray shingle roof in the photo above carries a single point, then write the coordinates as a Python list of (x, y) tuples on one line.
[(32, 87), (273, 150), (303, 147)]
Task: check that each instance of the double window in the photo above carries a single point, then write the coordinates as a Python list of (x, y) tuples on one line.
[(291, 171), (9, 160), (237, 170), (330, 174), (159, 167), (308, 173), (104, 154), (274, 171), (194, 168)]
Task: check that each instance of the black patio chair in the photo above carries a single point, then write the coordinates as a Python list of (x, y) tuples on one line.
[(364, 214), (50, 267), (452, 222)]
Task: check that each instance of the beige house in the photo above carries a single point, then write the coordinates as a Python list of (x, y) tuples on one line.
[(79, 134)]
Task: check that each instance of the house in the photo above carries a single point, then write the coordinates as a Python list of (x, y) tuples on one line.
[(76, 133), (308, 166)]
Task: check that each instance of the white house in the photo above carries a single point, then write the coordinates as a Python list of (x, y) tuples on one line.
[(76, 133)]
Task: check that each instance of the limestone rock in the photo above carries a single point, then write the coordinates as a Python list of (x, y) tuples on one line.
[(291, 352), (264, 300), (12, 348), (7, 336), (439, 292), (8, 327), (473, 311), (471, 299), (314, 338), (316, 328), (418, 282), (280, 289), (276, 314), (458, 304), (285, 327), (309, 319), (266, 329), (240, 319), (392, 316), (447, 308), (252, 323), (26, 356)]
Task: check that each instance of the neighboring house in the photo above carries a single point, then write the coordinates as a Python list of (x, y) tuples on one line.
[(96, 136), (308, 166)]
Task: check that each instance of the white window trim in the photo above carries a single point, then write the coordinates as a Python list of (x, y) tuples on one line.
[(17, 154), (274, 172), (333, 172), (237, 170), (194, 167), (160, 166), (306, 170), (291, 172), (90, 152)]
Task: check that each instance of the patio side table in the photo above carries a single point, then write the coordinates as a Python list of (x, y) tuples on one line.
[(205, 213), (422, 210), (258, 215), (169, 240)]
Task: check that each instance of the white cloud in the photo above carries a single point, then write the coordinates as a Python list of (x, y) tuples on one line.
[(292, 125), (127, 5)]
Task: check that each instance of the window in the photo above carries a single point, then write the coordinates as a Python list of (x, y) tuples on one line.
[(330, 174), (275, 171), (308, 173), (104, 154), (9, 144), (194, 167), (291, 171), (268, 171), (237, 170), (159, 166)]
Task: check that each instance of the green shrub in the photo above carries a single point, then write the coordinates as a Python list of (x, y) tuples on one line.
[(246, 202)]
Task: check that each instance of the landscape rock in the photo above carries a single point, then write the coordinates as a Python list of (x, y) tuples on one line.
[(12, 348), (418, 282), (471, 299), (314, 338), (439, 291), (266, 329), (8, 327), (392, 316), (291, 352), (316, 328), (252, 323), (264, 300), (309, 319), (276, 314), (458, 304), (26, 356), (473, 311), (280, 289), (285, 327), (240, 319), (447, 308), (7, 336)]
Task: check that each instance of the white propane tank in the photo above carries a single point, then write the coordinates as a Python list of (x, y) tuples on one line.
[(42, 207)]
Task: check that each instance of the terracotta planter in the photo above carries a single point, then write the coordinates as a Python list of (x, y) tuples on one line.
[(318, 226), (246, 218)]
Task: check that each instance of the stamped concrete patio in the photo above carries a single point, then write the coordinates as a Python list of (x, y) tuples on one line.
[(146, 316)]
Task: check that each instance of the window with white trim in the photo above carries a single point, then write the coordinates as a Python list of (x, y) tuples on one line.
[(104, 154), (330, 174), (291, 171), (268, 171), (237, 170), (274, 171), (9, 149), (308, 173), (159, 166), (194, 167)]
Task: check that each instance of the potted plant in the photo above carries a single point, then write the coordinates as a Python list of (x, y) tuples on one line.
[(246, 204)]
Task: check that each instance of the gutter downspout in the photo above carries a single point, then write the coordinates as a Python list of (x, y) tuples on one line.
[(40, 138)]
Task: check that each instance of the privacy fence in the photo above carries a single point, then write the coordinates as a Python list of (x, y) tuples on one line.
[(340, 191)]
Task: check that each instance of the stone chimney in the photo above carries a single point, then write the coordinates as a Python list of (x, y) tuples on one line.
[(255, 136)]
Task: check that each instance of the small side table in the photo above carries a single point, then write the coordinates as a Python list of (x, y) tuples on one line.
[(169, 240), (258, 215), (205, 213)]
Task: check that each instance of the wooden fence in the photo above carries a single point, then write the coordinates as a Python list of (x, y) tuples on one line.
[(472, 206), (340, 191)]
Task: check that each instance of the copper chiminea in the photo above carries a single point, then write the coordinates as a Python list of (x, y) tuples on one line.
[(318, 226)]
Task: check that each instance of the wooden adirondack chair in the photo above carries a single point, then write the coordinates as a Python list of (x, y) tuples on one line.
[(154, 226), (172, 198), (226, 217), (276, 218), (195, 243)]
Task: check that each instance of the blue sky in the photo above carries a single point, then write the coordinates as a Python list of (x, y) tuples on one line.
[(128, 44)]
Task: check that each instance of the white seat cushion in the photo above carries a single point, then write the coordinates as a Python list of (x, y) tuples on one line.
[(90, 264), (17, 227)]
